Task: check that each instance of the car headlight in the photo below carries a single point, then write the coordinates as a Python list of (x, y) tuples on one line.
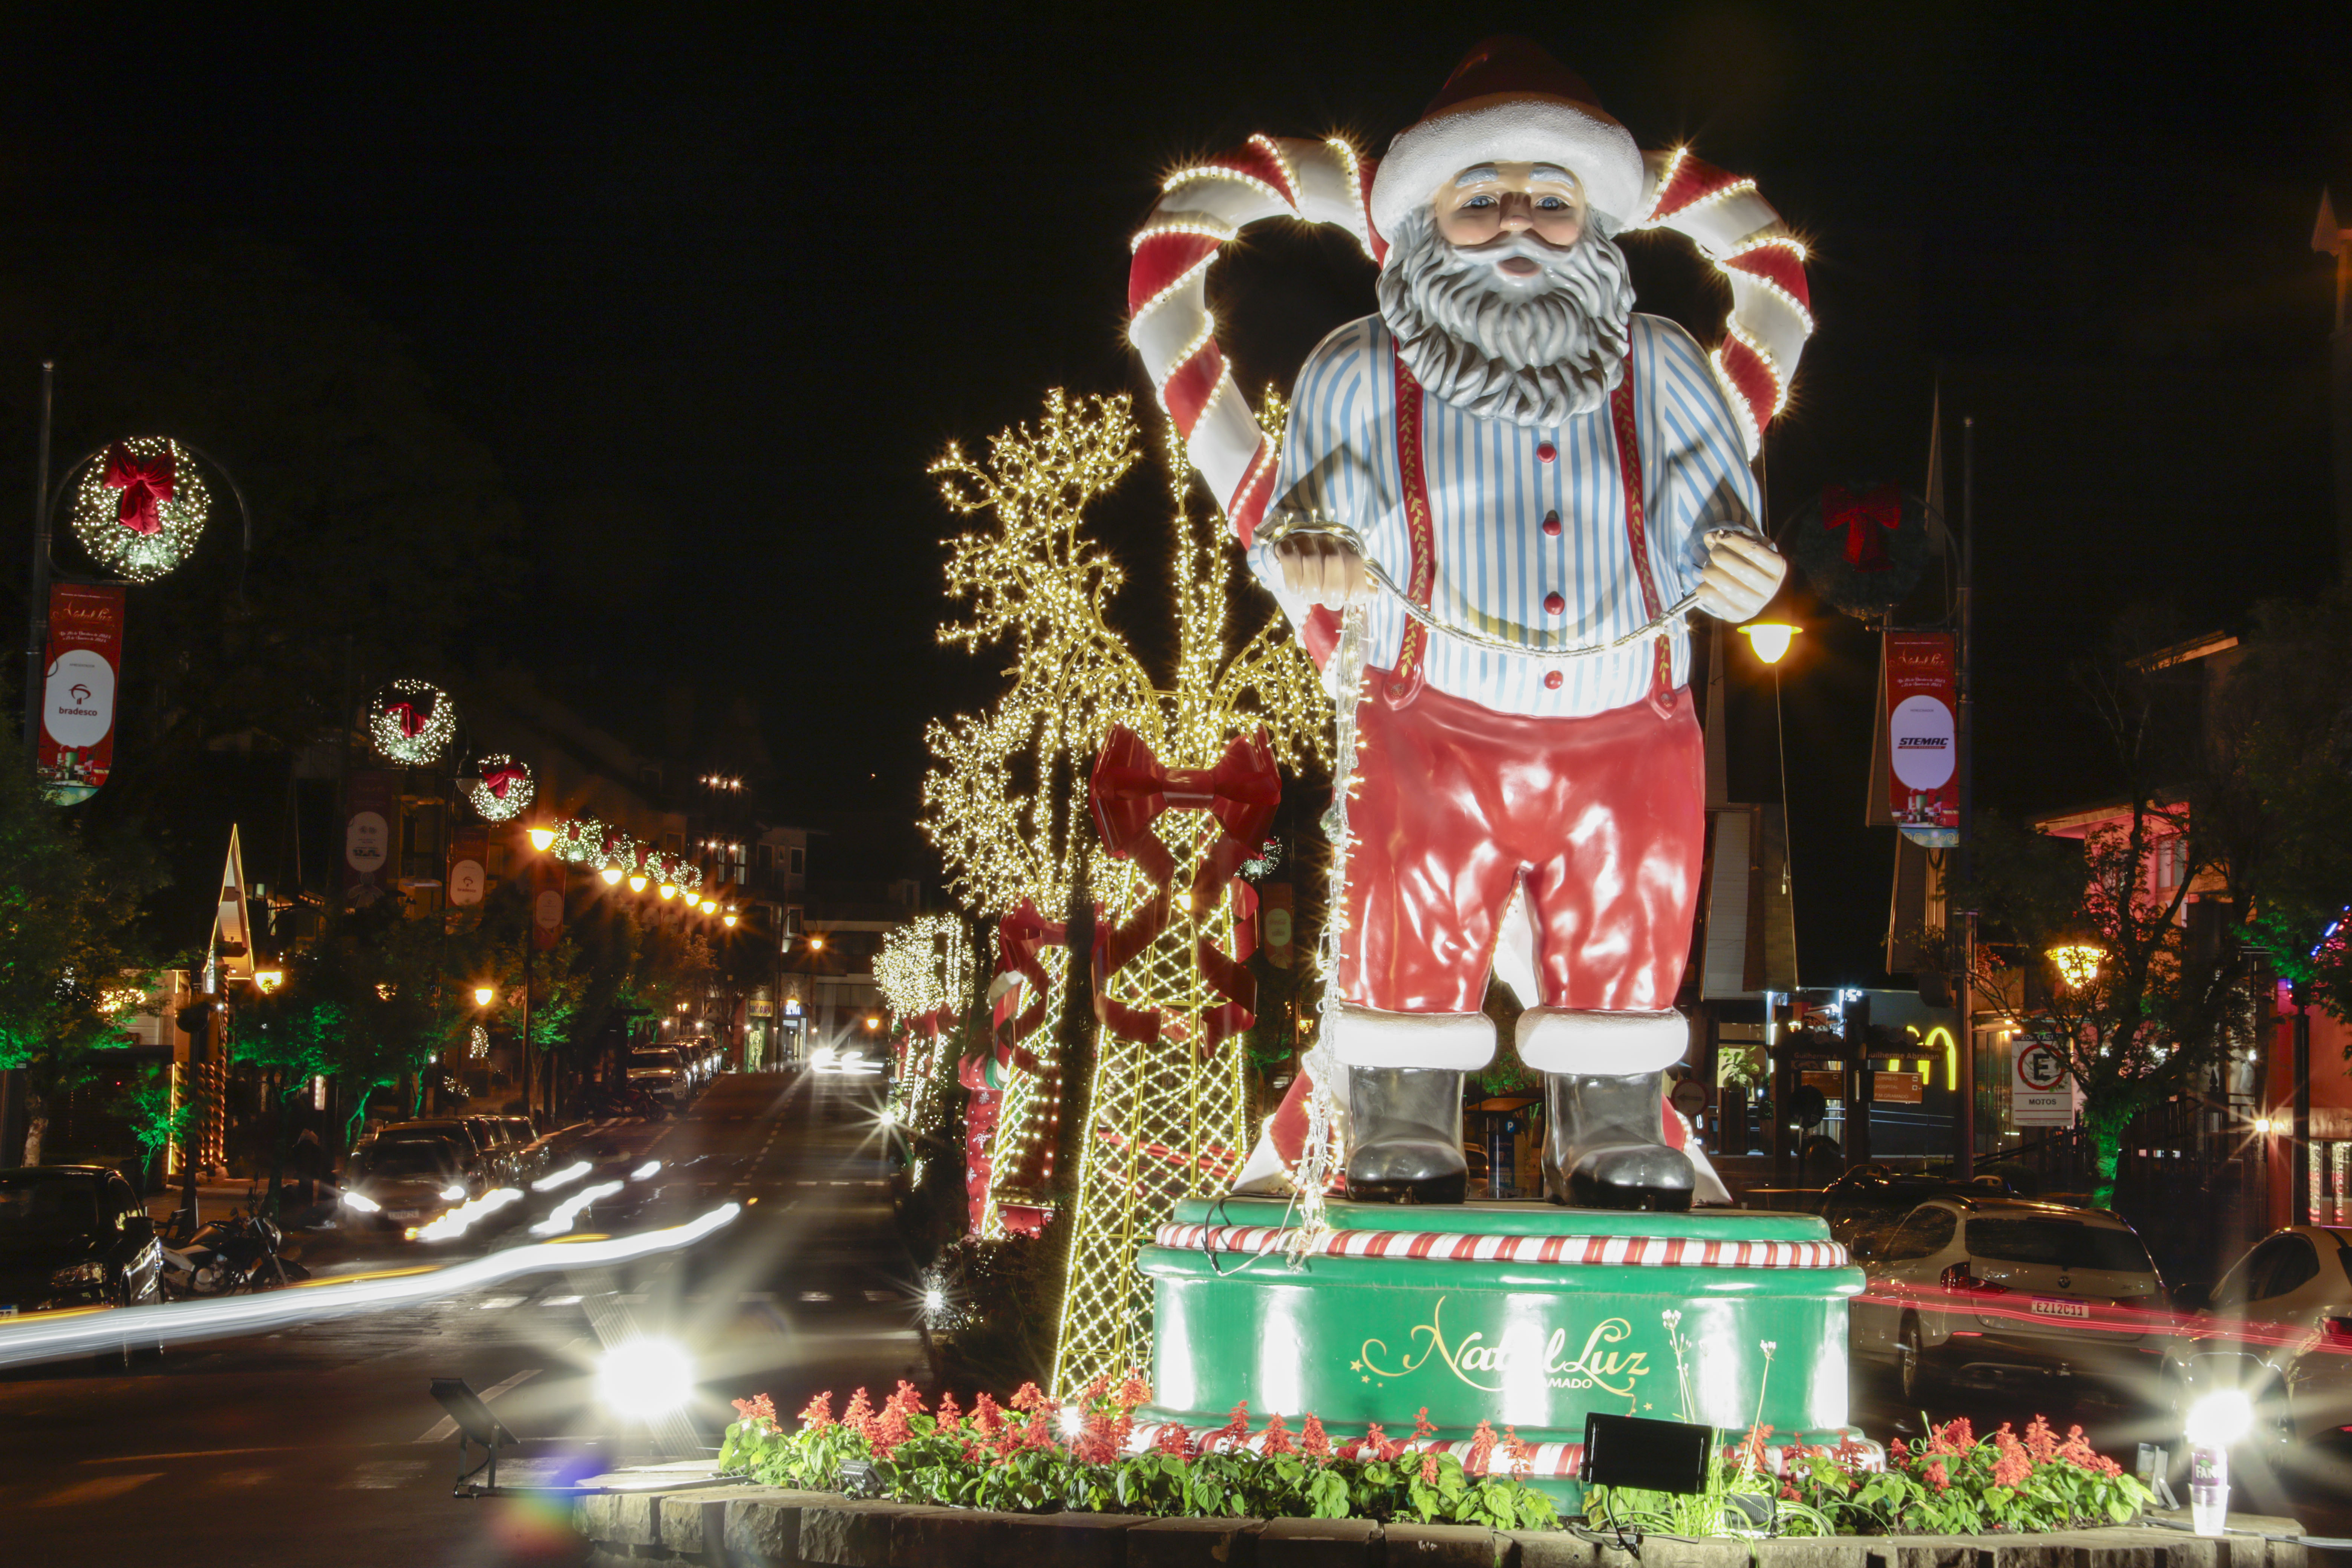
[(90, 1273), (454, 1194), (361, 1203)]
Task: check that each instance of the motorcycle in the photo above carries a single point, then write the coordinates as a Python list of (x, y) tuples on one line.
[(240, 1252)]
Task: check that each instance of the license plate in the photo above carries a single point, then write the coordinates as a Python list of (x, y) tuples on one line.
[(404, 1214), (2061, 1308)]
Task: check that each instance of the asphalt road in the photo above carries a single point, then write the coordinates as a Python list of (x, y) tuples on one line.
[(320, 1445)]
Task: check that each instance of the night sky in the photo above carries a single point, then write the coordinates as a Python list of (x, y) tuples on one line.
[(713, 286)]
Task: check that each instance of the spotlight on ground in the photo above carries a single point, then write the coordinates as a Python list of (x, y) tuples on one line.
[(2219, 1420), (646, 1378)]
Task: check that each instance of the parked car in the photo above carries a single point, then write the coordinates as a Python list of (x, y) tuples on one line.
[(2278, 1328), (1867, 1203), (661, 1072), (1984, 1290), (74, 1235), (410, 1172)]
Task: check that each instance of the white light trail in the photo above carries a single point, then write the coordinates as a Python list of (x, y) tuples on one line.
[(647, 1169), (85, 1331), (459, 1220), (562, 1178), (561, 1217)]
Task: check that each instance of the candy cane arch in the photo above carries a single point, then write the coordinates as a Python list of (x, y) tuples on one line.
[(1205, 206)]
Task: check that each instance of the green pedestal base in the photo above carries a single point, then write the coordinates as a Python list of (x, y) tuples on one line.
[(1523, 1315)]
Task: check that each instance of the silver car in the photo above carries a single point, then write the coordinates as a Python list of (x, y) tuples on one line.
[(2279, 1329), (1985, 1290)]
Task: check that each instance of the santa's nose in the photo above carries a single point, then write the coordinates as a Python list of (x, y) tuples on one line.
[(1518, 211)]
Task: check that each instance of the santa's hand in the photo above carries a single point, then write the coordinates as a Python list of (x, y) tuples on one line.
[(1322, 570), (1742, 575)]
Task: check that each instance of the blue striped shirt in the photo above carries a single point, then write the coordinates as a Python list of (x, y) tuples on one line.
[(1488, 494)]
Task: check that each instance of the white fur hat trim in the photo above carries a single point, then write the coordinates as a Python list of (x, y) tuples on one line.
[(1594, 148)]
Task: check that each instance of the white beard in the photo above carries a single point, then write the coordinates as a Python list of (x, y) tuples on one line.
[(1534, 354)]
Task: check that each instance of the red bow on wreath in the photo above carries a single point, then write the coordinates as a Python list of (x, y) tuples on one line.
[(411, 718), (496, 780), (1129, 790), (146, 483), (1866, 521)]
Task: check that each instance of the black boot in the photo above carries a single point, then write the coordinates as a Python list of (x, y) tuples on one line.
[(1407, 1142), (1605, 1147)]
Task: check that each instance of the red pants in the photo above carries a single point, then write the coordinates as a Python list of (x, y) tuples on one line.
[(1601, 819)]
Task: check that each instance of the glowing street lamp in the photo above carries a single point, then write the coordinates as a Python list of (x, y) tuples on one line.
[(668, 890), (728, 919), (611, 875), (2077, 964), (540, 838), (268, 980), (485, 994), (636, 881), (816, 944), (1770, 639)]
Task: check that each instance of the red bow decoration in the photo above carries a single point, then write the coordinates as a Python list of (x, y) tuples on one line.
[(411, 718), (1019, 936), (146, 483), (1129, 791), (496, 780), (1866, 521)]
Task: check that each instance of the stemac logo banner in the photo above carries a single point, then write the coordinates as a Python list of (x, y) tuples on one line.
[(85, 652), (1922, 735)]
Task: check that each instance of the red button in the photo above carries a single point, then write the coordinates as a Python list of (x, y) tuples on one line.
[(1551, 523), (1546, 452), (1551, 680), (1554, 603)]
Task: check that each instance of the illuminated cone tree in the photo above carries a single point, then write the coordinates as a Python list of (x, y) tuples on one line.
[(1007, 806)]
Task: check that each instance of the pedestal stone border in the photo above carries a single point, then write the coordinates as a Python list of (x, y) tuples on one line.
[(768, 1527)]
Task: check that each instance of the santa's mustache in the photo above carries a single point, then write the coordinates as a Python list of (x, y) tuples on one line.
[(1534, 350)]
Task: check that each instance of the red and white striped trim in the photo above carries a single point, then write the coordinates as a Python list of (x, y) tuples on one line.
[(1205, 206), (1771, 306), (1566, 1251), (1201, 207)]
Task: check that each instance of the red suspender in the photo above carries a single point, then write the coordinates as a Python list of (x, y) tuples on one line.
[(1412, 666), (1637, 534)]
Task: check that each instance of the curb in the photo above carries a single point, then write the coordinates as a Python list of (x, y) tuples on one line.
[(769, 1527)]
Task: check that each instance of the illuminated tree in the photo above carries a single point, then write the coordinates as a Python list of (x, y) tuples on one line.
[(1005, 807)]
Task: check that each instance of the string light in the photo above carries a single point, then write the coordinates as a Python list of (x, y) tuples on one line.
[(1006, 799), (411, 722), (178, 521)]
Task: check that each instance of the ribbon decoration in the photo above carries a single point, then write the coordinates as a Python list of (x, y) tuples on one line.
[(496, 780), (1129, 791), (145, 483), (410, 719), (1865, 520), (1019, 936)]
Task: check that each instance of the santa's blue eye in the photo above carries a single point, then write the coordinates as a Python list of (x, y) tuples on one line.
[(1478, 202)]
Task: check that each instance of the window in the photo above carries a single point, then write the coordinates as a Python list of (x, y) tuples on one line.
[(1926, 1233), (793, 916), (2065, 1243), (2282, 1264), (797, 853)]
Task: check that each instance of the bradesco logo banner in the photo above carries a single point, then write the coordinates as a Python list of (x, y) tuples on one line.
[(77, 708), (1922, 735)]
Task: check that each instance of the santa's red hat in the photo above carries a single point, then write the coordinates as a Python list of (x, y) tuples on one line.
[(1511, 102)]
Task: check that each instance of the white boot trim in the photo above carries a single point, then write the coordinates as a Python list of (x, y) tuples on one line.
[(1569, 1039), (1367, 1038)]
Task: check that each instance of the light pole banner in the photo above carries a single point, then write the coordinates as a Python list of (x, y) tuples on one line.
[(78, 709), (469, 854), (1922, 737), (546, 902), (370, 814)]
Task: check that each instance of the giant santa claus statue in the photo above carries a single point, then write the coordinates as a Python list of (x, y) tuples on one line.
[(1520, 480)]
